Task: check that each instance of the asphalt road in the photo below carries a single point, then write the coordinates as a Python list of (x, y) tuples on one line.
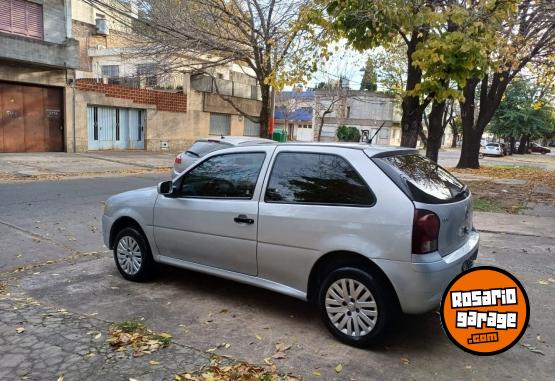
[(63, 215), (50, 221)]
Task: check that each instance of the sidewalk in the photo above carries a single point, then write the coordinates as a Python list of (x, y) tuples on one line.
[(55, 165)]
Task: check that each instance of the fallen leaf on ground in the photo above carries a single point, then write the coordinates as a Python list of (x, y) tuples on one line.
[(235, 371), (405, 360), (543, 282), (258, 337), (316, 373), (154, 362), (268, 361), (532, 349), (281, 347), (134, 335), (339, 368), (20, 329), (61, 378)]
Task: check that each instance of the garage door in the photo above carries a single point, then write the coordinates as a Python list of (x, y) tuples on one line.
[(31, 118), (115, 128)]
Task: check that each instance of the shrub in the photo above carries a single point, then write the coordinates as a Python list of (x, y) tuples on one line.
[(348, 134)]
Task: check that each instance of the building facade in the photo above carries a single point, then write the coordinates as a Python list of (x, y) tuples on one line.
[(38, 58), (71, 80)]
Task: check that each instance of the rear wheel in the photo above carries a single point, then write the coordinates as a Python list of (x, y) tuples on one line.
[(132, 255), (356, 306)]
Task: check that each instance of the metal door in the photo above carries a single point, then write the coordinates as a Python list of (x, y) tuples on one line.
[(31, 118), (54, 134), (136, 129), (12, 123), (121, 126)]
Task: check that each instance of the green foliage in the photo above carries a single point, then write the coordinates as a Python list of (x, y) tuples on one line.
[(524, 111), (453, 40), (369, 78), (348, 134)]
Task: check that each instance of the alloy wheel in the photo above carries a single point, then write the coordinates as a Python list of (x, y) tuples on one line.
[(129, 255), (351, 307)]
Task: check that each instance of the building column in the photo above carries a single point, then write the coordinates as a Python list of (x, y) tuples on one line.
[(68, 17)]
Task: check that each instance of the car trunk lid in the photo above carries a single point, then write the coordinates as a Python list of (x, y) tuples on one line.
[(433, 188)]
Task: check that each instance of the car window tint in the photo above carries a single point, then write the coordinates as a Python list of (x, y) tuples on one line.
[(427, 181), (202, 148), (316, 178), (228, 176), (492, 145)]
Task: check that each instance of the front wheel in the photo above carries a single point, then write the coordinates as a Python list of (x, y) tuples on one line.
[(356, 307), (132, 255)]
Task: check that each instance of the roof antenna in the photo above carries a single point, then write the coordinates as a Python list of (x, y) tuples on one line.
[(376, 133)]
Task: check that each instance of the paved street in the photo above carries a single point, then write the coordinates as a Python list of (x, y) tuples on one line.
[(64, 289)]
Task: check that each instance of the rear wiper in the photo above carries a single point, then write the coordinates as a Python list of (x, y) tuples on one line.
[(462, 191)]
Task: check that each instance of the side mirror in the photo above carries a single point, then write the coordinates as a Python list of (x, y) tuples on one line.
[(165, 188)]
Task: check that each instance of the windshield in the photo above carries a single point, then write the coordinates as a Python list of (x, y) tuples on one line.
[(422, 179)]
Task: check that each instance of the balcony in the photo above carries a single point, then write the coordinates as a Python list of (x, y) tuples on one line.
[(38, 52), (225, 87)]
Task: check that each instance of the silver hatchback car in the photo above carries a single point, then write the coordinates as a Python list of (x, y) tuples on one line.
[(364, 232)]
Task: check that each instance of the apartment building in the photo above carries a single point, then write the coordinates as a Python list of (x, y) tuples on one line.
[(126, 100)]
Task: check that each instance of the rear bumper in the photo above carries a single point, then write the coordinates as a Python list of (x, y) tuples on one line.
[(420, 284)]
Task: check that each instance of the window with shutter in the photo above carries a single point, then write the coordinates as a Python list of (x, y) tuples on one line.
[(21, 17)]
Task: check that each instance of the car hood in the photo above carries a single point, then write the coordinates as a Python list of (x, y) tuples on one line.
[(137, 198)]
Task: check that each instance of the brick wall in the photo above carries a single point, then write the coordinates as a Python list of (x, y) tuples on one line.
[(164, 100)]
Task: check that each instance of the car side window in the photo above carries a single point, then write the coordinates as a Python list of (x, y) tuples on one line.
[(231, 175), (316, 178)]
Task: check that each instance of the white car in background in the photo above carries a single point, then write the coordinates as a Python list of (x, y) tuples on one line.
[(492, 149), (204, 146)]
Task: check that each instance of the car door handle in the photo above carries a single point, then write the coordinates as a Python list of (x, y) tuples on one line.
[(243, 219)]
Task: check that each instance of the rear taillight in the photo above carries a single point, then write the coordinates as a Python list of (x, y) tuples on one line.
[(178, 159), (425, 231)]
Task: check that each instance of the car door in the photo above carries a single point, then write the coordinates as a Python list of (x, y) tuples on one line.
[(213, 217)]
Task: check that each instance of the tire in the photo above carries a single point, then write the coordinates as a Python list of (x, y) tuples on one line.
[(383, 315), (135, 264)]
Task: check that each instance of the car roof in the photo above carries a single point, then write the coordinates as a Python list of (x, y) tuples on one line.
[(236, 140), (370, 150)]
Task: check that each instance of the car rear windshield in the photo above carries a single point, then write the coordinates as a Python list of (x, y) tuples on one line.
[(202, 148), (422, 179), (492, 145)]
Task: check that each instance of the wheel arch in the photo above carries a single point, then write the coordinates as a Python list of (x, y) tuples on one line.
[(122, 223), (336, 259)]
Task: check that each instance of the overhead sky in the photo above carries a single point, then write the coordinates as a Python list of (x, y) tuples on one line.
[(344, 62)]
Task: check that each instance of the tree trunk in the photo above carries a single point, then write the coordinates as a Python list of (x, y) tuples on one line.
[(490, 97), (265, 112), (512, 143), (454, 141), (523, 144), (435, 130), (411, 120), (470, 149)]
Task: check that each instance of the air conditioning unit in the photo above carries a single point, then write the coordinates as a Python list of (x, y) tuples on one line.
[(102, 26)]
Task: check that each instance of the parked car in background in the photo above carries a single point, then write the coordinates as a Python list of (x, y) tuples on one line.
[(533, 147), (492, 149), (204, 146), (551, 143), (364, 232)]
